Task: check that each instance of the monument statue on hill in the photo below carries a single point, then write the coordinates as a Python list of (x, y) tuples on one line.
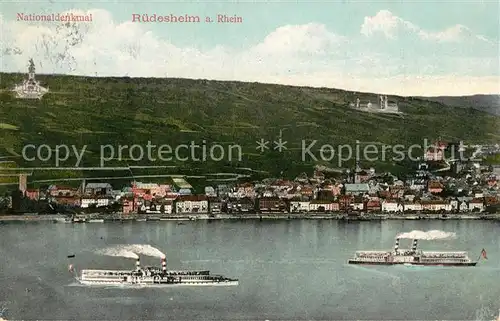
[(30, 88), (31, 68)]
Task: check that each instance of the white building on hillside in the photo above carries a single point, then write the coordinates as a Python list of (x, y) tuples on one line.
[(384, 106)]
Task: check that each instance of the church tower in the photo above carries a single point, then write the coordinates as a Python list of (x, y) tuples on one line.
[(357, 170)]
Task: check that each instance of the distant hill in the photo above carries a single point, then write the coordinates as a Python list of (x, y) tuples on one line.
[(101, 111), (487, 103)]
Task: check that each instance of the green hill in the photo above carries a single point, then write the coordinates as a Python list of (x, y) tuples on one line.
[(124, 111), (486, 103)]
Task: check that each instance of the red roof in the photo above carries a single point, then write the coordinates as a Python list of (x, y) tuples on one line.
[(434, 184), (245, 185), (59, 187), (385, 194), (193, 198), (436, 202), (434, 150), (491, 200), (373, 204), (95, 197), (67, 197), (282, 183), (322, 202), (440, 144), (171, 196)]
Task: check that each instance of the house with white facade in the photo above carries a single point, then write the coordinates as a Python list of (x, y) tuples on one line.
[(210, 191), (268, 193), (463, 206), (168, 207), (86, 202), (98, 189), (409, 197), (374, 188), (157, 207), (412, 206), (294, 193), (323, 206), (391, 206), (454, 203), (436, 206), (97, 201), (418, 185), (476, 205), (299, 206), (281, 185), (215, 205), (192, 204), (243, 191), (357, 205), (478, 194)]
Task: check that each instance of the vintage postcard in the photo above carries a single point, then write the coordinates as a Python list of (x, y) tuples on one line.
[(249, 160)]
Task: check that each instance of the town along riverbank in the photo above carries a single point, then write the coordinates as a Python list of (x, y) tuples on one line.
[(101, 218)]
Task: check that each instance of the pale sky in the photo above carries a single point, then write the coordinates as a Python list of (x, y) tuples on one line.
[(407, 48)]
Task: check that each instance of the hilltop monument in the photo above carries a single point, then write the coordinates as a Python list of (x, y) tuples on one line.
[(384, 106), (30, 88)]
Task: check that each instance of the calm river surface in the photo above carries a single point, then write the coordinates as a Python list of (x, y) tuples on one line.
[(287, 270)]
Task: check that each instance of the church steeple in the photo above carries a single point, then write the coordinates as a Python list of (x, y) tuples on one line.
[(357, 169)]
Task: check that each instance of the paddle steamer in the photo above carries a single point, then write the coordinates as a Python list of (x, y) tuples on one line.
[(153, 276), (413, 256)]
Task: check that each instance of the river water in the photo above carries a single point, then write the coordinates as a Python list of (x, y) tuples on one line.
[(287, 270)]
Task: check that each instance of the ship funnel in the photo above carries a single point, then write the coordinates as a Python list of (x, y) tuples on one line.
[(414, 246), (164, 264), (396, 246), (138, 265)]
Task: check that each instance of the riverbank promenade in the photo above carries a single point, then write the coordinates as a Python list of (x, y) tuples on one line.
[(99, 218)]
